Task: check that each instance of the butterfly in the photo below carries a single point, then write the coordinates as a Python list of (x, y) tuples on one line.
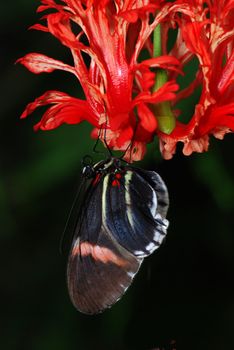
[(121, 221)]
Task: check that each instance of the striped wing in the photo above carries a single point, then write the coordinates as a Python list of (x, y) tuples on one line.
[(134, 212), (99, 268), (158, 185)]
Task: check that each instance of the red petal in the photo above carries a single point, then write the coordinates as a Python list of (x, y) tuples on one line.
[(222, 116), (59, 114), (196, 40), (69, 113), (198, 145), (220, 132), (125, 137), (132, 15), (136, 152), (48, 97), (165, 62), (67, 109), (167, 147), (59, 26), (38, 63), (165, 93), (147, 118), (145, 79), (227, 75), (39, 27)]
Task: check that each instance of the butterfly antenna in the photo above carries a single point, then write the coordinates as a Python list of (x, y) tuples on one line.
[(103, 126), (131, 143), (97, 141), (105, 142)]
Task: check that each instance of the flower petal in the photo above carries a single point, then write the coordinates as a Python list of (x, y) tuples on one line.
[(59, 26), (148, 120), (136, 152), (165, 62), (196, 40), (66, 109), (165, 93), (124, 138), (62, 113), (227, 77), (38, 26), (38, 63), (198, 145), (48, 97), (132, 15)]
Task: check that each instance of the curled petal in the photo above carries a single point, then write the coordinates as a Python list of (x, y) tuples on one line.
[(222, 116), (165, 93), (124, 138), (38, 63), (198, 145), (136, 152), (59, 26), (132, 15), (167, 147), (48, 4), (165, 62), (49, 97), (65, 109), (39, 27), (227, 75), (220, 132), (147, 118), (191, 32), (145, 79), (62, 113)]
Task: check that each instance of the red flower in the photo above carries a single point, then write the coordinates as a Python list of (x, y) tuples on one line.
[(116, 85), (208, 35), (132, 98)]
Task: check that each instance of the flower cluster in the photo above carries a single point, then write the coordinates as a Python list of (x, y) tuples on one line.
[(130, 80)]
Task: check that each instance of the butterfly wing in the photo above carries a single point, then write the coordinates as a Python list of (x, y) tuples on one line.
[(99, 268), (121, 222), (158, 185), (134, 211)]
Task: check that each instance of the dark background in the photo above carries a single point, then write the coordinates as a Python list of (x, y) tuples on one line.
[(183, 292)]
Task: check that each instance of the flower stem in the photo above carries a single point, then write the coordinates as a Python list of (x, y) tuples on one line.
[(165, 117)]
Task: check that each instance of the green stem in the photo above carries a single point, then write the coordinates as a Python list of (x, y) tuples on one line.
[(157, 41), (162, 110)]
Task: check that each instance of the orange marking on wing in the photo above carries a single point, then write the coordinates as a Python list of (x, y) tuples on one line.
[(98, 253)]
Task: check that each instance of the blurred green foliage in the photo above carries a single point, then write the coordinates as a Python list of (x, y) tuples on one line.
[(183, 292)]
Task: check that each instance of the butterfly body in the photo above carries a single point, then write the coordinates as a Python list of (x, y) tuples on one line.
[(122, 221)]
